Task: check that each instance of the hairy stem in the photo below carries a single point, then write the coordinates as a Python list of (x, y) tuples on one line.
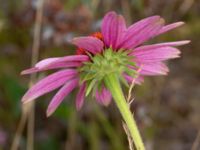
[(34, 59), (112, 83), (20, 128), (28, 109)]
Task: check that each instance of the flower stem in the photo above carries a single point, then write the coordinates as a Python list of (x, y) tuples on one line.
[(112, 83)]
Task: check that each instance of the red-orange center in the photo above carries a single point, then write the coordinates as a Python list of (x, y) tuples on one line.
[(81, 51)]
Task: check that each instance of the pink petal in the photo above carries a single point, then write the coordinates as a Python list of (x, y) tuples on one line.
[(46, 62), (170, 27), (103, 97), (80, 97), (57, 62), (141, 31), (155, 46), (139, 80), (152, 69), (48, 84), (29, 71), (105, 27), (51, 61), (113, 27), (60, 95), (155, 55), (52, 66), (89, 43)]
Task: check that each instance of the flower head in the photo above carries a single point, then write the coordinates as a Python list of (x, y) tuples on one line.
[(116, 49)]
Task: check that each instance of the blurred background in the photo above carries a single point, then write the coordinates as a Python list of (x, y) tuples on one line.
[(167, 109)]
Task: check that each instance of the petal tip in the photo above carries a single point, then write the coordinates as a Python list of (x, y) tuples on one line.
[(187, 41), (29, 71), (161, 21), (180, 23), (79, 105), (25, 100), (184, 42), (49, 112), (73, 40), (78, 108), (107, 103), (111, 13), (23, 72)]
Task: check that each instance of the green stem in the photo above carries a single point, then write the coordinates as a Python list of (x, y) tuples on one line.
[(112, 83)]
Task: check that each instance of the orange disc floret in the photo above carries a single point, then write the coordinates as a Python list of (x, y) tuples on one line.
[(80, 51), (98, 35)]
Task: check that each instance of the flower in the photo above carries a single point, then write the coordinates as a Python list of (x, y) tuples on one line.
[(116, 49)]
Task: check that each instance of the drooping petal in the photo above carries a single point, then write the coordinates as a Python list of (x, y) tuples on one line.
[(170, 27), (159, 45), (113, 28), (155, 55), (60, 95), (141, 31), (57, 62), (89, 43), (152, 69), (29, 71), (46, 62), (80, 97), (52, 66), (48, 84), (103, 97), (139, 80), (51, 61)]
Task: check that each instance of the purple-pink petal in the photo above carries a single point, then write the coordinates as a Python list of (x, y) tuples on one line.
[(61, 94), (51, 61), (45, 62), (138, 80), (159, 45), (48, 84), (155, 55), (152, 69), (113, 28), (80, 97), (170, 27), (29, 71), (91, 44), (141, 31), (57, 62), (105, 27), (52, 66), (103, 96)]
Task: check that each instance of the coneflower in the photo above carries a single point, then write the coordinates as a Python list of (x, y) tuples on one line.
[(103, 61)]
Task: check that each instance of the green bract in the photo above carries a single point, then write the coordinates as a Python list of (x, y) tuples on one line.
[(103, 64)]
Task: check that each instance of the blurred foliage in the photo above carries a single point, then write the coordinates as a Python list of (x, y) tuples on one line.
[(166, 108)]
